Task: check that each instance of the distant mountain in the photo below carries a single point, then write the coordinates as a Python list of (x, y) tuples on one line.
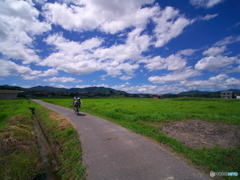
[(207, 93), (195, 92), (235, 91), (47, 89), (7, 87), (102, 90)]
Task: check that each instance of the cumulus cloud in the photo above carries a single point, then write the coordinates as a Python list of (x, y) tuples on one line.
[(173, 62), (214, 51), (216, 59), (9, 68), (234, 70), (108, 16), (72, 57), (169, 24), (149, 89), (18, 25), (89, 56), (63, 79), (205, 3), (49, 72), (176, 76), (221, 81), (115, 16), (214, 62)]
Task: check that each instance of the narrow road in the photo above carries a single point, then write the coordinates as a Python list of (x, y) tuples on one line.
[(113, 152)]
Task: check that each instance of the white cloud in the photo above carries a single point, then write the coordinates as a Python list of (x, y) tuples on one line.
[(126, 77), (205, 3), (115, 16), (186, 52), (149, 89), (49, 72), (214, 51), (137, 18), (108, 16), (9, 68), (141, 42), (39, 1), (87, 57), (29, 77), (228, 40), (221, 81), (72, 57), (208, 17), (233, 70), (70, 47), (214, 62), (176, 76), (173, 62), (63, 79), (169, 25), (18, 26)]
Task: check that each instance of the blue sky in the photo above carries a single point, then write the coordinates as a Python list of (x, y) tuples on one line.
[(139, 46)]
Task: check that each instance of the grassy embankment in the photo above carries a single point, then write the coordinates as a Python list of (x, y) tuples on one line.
[(147, 116), (19, 154)]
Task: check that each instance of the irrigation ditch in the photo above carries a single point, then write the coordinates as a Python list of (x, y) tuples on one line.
[(47, 151)]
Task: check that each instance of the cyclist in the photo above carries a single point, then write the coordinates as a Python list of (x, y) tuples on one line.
[(77, 104)]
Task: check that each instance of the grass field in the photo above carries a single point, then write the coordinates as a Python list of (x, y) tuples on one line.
[(19, 153), (146, 116)]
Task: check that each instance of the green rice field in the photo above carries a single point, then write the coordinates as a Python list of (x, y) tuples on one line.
[(147, 116), (152, 110)]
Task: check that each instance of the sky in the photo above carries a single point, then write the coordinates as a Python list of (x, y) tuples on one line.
[(138, 46)]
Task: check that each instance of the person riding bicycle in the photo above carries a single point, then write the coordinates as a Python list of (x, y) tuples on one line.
[(77, 103)]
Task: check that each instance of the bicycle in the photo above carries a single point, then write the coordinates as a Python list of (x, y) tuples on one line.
[(76, 110)]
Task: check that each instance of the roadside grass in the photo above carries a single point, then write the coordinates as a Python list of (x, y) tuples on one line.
[(19, 153), (19, 157), (147, 116), (66, 143)]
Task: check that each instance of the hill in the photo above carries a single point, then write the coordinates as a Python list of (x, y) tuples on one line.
[(108, 91), (46, 89), (195, 92), (102, 90)]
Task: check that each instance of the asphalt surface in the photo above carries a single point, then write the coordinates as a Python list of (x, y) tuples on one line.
[(115, 153)]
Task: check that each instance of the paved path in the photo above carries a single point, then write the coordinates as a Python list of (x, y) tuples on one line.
[(113, 152)]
